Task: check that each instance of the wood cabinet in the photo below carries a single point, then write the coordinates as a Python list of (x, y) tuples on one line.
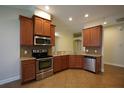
[(57, 64), (64, 62), (26, 31), (98, 65), (46, 27), (41, 26), (60, 63), (38, 26), (86, 37), (76, 61), (52, 34), (92, 37), (28, 70)]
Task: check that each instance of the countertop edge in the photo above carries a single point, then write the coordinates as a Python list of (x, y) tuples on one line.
[(27, 58)]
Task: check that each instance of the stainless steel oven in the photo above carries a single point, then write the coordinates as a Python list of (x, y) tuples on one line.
[(39, 40), (44, 64)]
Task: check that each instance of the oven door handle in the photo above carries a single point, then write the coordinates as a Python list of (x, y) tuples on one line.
[(42, 59)]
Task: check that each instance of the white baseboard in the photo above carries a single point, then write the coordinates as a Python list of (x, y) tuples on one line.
[(9, 79), (114, 64)]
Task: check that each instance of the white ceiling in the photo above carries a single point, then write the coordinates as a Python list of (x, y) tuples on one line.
[(97, 14)]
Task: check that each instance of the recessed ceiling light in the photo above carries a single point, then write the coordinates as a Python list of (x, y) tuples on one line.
[(86, 15), (104, 22), (47, 7), (70, 18), (57, 34)]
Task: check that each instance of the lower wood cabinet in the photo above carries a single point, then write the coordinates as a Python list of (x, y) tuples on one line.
[(27, 70), (60, 63), (73, 61), (57, 64), (98, 65), (64, 62), (76, 61)]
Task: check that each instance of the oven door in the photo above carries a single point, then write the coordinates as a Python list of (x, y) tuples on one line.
[(38, 40), (44, 64)]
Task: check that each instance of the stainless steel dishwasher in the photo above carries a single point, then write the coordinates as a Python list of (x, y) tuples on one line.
[(89, 63)]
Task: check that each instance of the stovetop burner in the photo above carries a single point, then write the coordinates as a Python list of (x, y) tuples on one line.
[(42, 53)]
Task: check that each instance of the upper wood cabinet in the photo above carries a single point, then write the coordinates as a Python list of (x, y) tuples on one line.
[(38, 26), (52, 34), (46, 27), (92, 37), (41, 26), (26, 31)]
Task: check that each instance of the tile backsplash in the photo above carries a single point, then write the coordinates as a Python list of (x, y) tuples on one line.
[(23, 50), (93, 50), (26, 51)]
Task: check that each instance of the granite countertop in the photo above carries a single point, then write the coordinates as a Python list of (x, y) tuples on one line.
[(27, 58), (58, 55), (84, 54)]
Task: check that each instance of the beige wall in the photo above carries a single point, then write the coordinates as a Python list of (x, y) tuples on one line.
[(114, 45), (10, 43), (64, 42)]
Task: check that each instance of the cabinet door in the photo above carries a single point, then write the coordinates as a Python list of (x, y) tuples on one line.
[(26, 31), (96, 36), (64, 62), (79, 61), (76, 61), (28, 70), (38, 26), (52, 34), (98, 65), (72, 61), (56, 64), (86, 37), (92, 37), (46, 28)]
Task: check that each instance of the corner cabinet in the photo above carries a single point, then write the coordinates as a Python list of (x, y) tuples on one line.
[(52, 34), (60, 63), (28, 70), (26, 31), (41, 26), (92, 37), (76, 61)]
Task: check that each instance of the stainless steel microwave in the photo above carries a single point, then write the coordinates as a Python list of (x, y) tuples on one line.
[(40, 40)]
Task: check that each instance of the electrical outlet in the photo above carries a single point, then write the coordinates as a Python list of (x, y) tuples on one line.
[(95, 51), (87, 50), (25, 52)]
